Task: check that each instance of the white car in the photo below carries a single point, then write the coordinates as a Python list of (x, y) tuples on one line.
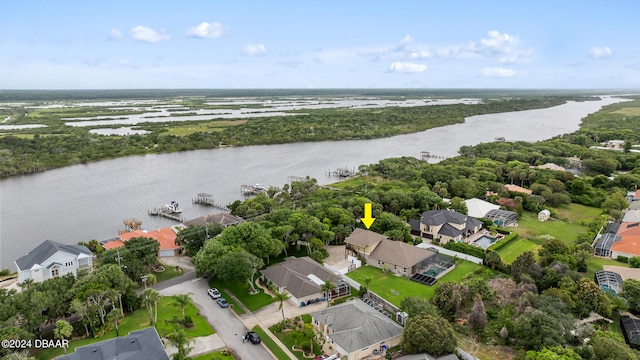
[(214, 293)]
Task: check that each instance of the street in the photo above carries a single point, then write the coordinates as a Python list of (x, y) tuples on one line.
[(224, 321)]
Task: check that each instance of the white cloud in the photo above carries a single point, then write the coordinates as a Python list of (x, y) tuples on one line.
[(406, 40), (115, 34), (498, 42), (496, 72), (252, 50), (208, 30), (142, 33), (599, 52), (420, 55), (405, 67)]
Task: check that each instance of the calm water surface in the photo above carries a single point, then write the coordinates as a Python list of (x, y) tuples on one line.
[(84, 202)]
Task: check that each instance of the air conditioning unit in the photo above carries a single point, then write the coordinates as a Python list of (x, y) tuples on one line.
[(401, 317)]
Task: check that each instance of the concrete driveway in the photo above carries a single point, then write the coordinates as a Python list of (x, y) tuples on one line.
[(224, 321)]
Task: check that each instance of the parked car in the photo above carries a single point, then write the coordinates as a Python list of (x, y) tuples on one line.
[(252, 337), (214, 293), (222, 302)]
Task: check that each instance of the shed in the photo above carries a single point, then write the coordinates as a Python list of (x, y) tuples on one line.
[(544, 215)]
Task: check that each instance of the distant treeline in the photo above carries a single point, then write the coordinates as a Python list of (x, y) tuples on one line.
[(115, 94)]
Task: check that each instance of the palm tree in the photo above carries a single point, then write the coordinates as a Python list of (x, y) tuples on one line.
[(181, 342), (281, 297), (62, 331), (175, 322), (327, 288), (149, 279), (81, 310), (115, 315), (150, 299), (366, 281), (182, 300)]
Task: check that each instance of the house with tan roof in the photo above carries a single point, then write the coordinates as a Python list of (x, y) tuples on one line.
[(224, 219), (551, 166), (166, 238), (516, 188), (396, 256)]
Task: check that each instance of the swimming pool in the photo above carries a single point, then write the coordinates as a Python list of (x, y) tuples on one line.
[(484, 241)]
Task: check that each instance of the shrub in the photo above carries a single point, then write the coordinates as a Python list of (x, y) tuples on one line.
[(502, 242), (623, 259)]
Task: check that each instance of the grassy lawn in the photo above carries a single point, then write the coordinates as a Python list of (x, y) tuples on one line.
[(270, 344), (209, 126), (140, 319), (216, 355), (384, 283), (595, 263), (168, 273), (289, 341), (565, 231), (241, 291), (512, 250)]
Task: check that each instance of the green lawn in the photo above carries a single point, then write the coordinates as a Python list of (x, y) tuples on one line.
[(388, 285), (140, 319), (241, 291), (168, 273), (270, 344), (595, 263), (216, 355), (513, 249), (565, 230), (289, 341)]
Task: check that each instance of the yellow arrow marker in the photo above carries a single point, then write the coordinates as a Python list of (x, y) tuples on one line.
[(367, 220)]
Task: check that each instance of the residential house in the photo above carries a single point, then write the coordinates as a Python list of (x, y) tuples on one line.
[(363, 242), (630, 327), (551, 166), (302, 278), (516, 188), (629, 240), (400, 258), (166, 238), (427, 356), (356, 330), (224, 219), (446, 225), (479, 208), (52, 259), (144, 344)]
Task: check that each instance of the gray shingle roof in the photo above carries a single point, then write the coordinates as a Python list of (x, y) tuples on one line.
[(144, 344), (293, 273), (439, 217), (449, 230), (224, 219), (399, 253), (356, 325), (44, 251)]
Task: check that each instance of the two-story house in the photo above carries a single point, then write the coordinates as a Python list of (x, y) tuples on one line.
[(446, 225), (52, 259)]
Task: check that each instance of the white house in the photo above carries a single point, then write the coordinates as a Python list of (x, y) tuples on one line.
[(52, 259)]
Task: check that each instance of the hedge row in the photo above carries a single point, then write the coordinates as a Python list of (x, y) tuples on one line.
[(502, 242), (465, 249)]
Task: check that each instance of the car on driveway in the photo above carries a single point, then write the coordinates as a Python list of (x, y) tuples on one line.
[(222, 302), (252, 337), (214, 293)]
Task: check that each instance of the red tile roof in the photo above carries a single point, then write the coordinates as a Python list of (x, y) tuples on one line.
[(630, 238), (166, 237), (113, 244)]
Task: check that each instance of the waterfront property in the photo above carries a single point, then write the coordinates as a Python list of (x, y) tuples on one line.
[(302, 279), (166, 238), (52, 259), (223, 218), (356, 330), (446, 225)]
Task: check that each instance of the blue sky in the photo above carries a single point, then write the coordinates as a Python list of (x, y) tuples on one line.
[(321, 44)]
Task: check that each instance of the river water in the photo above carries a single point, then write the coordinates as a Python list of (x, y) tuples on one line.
[(84, 202)]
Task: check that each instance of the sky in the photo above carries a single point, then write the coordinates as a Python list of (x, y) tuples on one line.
[(138, 44)]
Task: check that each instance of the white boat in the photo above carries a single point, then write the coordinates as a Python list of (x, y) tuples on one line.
[(260, 187), (173, 207)]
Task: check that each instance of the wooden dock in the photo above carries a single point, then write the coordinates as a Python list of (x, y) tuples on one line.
[(208, 200), (159, 211), (342, 172), (250, 190), (425, 155)]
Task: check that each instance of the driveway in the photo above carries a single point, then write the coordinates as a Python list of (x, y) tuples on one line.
[(224, 321)]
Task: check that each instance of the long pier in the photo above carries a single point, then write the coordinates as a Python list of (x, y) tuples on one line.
[(208, 200), (158, 211)]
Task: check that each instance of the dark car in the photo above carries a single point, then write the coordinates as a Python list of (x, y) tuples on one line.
[(252, 337), (222, 302)]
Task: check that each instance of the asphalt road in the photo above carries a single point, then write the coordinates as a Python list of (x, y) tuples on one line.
[(224, 321)]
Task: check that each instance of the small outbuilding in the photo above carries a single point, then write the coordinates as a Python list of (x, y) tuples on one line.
[(544, 215)]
